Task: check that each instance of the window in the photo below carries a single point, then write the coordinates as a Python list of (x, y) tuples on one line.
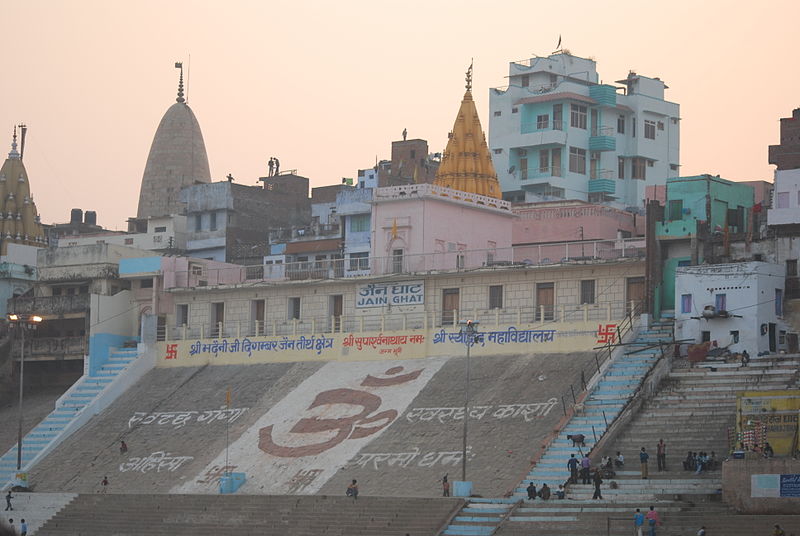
[(160, 229), (577, 160), (675, 209), (498, 151), (558, 116), (212, 222), (294, 308), (359, 261), (791, 267), (544, 161), (778, 302), (721, 302), (128, 241), (686, 303), (705, 336), (258, 314), (359, 223), (460, 261), (397, 261), (182, 314), (497, 113), (587, 291), (649, 129), (542, 121), (577, 116), (525, 80), (57, 291), (621, 167), (523, 169), (514, 110), (660, 125), (638, 168), (146, 283), (621, 124), (83, 289), (198, 223), (734, 337), (673, 167), (196, 269), (496, 297)]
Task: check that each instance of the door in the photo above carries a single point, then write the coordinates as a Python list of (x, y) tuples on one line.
[(336, 312), (449, 306), (545, 300), (218, 319), (259, 310), (772, 342), (634, 292)]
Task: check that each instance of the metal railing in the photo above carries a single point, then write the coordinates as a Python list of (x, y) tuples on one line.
[(522, 256), (395, 321)]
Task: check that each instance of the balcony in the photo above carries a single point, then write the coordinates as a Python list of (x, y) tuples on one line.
[(607, 186), (602, 139), (605, 95), (544, 132), (50, 305)]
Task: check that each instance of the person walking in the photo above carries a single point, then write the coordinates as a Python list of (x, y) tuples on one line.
[(643, 457), (123, 447), (702, 531), (638, 522), (572, 465), (661, 455), (652, 520), (104, 483), (586, 467), (8, 501), (597, 480)]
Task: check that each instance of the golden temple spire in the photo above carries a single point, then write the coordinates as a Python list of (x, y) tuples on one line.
[(19, 220), (466, 162)]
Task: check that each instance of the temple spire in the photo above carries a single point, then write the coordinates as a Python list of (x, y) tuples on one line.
[(179, 65), (466, 163), (14, 154)]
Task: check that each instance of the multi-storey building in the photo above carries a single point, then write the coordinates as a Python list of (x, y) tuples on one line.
[(557, 132)]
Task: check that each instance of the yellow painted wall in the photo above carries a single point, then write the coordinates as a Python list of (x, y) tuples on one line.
[(412, 344), (777, 410)]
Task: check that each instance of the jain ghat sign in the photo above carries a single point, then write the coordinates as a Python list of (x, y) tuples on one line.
[(383, 294)]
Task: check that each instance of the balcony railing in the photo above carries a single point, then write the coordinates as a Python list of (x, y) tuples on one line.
[(530, 127), (585, 251), (541, 172), (313, 322), (50, 305)]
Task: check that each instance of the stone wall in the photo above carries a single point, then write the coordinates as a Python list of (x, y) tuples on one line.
[(736, 485)]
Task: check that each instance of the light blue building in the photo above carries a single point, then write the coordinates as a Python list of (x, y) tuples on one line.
[(557, 132), (355, 212)]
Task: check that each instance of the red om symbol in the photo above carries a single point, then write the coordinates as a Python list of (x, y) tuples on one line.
[(351, 427)]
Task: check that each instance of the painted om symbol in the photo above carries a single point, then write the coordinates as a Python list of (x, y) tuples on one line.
[(363, 424)]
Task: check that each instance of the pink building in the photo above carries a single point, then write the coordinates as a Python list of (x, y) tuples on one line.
[(423, 227)]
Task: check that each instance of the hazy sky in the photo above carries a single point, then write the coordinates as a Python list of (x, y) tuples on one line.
[(326, 86)]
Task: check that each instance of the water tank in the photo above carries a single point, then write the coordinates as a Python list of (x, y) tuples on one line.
[(76, 215), (90, 218)]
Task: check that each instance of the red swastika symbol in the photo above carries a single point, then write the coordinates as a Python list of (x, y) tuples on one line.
[(606, 334), (172, 351)]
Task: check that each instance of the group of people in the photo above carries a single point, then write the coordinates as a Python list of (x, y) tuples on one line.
[(651, 520), (544, 493), (274, 167), (23, 527), (579, 469), (700, 461)]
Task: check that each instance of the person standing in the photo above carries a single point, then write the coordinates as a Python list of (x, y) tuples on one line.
[(104, 483), (643, 457), (23, 528), (778, 531), (661, 455), (271, 165), (572, 465), (123, 447), (702, 531), (445, 486), (8, 501), (638, 522), (652, 520), (277, 167), (352, 490), (586, 467), (597, 480)]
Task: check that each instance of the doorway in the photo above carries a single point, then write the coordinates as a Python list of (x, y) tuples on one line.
[(450, 300)]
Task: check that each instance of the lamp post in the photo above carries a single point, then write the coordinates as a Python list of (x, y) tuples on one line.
[(22, 322), (469, 334)]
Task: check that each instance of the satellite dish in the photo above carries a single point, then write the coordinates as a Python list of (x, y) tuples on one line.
[(512, 169)]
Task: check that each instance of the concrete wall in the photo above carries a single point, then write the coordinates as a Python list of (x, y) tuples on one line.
[(570, 221), (736, 485), (112, 322)]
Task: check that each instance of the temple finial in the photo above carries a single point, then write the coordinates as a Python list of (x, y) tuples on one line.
[(179, 65), (14, 153), (469, 77)]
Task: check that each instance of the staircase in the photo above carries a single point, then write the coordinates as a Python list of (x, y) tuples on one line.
[(602, 406), (48, 432)]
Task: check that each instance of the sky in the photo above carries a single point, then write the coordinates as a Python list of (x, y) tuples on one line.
[(327, 86)]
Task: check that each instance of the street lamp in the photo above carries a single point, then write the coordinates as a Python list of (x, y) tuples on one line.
[(23, 322), (469, 334)]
